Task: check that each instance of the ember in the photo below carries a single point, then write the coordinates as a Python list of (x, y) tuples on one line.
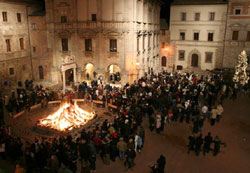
[(66, 118)]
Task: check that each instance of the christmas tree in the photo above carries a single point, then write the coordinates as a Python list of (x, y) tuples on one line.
[(240, 75)]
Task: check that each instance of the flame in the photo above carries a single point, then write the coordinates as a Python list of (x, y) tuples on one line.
[(66, 118)]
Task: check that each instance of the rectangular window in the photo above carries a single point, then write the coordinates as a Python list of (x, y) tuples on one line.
[(143, 43), (181, 55), (138, 44), (248, 36), (154, 40), (65, 45), (33, 26), (183, 16), (210, 36), (19, 18), (94, 17), (4, 14), (182, 35), (149, 37), (163, 32), (21, 43), (235, 35), (34, 49), (88, 45), (196, 36), (113, 45), (197, 17), (237, 11), (63, 19), (209, 57), (11, 71), (8, 45), (211, 16)]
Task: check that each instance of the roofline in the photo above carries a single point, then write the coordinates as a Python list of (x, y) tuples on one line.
[(25, 2), (207, 3)]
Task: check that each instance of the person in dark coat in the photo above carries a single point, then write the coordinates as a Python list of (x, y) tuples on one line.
[(161, 164), (217, 144), (191, 143), (130, 157), (208, 140), (198, 143)]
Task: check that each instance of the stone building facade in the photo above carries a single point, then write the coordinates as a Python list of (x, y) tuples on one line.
[(14, 43), (166, 61), (197, 33), (98, 38), (238, 31)]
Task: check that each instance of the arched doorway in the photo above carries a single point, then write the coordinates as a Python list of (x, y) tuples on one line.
[(41, 75), (89, 72), (69, 75), (194, 60), (114, 73), (163, 61)]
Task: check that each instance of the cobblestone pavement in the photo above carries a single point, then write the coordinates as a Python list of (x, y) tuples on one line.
[(233, 129)]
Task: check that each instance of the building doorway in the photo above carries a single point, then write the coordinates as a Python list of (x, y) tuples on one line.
[(41, 75), (69, 75), (194, 61), (89, 72), (114, 73), (163, 61)]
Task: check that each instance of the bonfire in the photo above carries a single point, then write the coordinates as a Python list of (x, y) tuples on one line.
[(66, 118)]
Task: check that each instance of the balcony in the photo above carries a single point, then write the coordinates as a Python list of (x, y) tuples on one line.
[(90, 24)]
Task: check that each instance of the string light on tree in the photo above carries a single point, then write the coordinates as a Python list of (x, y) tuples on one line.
[(240, 75)]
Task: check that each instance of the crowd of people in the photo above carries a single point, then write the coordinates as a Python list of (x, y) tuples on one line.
[(158, 99)]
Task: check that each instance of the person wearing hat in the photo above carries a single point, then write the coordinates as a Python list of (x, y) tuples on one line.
[(122, 147)]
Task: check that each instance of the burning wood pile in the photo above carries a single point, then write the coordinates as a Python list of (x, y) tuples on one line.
[(66, 118)]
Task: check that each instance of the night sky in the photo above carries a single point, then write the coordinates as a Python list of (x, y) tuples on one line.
[(165, 8)]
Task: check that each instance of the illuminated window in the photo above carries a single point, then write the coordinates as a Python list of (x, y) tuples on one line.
[(183, 16), (21, 43), (19, 18), (65, 44), (33, 26), (182, 35), (162, 44), (210, 36), (211, 16), (4, 14), (8, 46), (196, 36), (181, 55), (113, 45), (11, 71), (197, 17), (248, 36), (235, 35), (63, 19), (88, 45), (209, 57)]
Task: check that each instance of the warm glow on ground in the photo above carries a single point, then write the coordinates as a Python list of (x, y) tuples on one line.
[(66, 118)]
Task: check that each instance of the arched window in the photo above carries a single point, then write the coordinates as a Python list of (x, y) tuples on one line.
[(41, 76), (163, 61)]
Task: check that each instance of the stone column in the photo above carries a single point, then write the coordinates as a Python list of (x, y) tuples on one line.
[(74, 76), (64, 81)]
